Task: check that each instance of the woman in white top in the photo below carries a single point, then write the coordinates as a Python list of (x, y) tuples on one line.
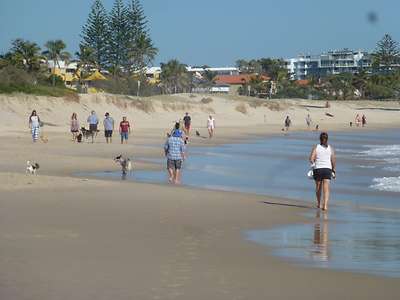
[(34, 125), (210, 126), (324, 160)]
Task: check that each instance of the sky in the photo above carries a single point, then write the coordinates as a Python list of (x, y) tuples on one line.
[(217, 32)]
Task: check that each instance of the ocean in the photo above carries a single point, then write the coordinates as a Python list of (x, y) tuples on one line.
[(361, 231)]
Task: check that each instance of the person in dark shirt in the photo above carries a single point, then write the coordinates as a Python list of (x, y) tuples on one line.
[(187, 121)]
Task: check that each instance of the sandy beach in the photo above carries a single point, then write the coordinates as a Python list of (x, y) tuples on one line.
[(70, 237)]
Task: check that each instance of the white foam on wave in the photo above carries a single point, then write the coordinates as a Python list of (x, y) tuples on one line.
[(382, 151), (395, 168), (366, 167), (387, 184)]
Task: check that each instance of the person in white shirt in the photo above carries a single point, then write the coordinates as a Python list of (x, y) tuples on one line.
[(34, 125), (323, 159), (211, 126)]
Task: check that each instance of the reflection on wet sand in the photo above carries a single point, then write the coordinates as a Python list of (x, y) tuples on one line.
[(320, 248)]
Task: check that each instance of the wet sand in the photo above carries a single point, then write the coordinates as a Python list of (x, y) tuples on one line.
[(75, 238)]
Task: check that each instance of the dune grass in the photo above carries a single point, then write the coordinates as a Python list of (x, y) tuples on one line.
[(38, 90)]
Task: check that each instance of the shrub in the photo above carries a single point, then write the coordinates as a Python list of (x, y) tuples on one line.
[(242, 108), (207, 100)]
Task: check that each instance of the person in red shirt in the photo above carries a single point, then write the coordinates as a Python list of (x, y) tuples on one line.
[(124, 130)]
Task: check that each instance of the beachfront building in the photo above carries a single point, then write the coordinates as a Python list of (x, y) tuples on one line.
[(236, 82), (217, 71), (153, 75), (68, 71), (329, 63)]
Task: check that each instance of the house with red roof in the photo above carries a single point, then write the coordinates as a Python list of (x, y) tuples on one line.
[(237, 81)]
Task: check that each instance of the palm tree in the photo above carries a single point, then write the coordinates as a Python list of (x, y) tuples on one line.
[(55, 52), (87, 61), (143, 52), (174, 76)]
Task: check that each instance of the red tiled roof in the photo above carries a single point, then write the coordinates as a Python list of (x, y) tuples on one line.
[(237, 79), (303, 82)]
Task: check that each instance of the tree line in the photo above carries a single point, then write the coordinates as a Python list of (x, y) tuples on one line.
[(379, 81)]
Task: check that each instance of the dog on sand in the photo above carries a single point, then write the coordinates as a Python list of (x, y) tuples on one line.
[(125, 163), (31, 168)]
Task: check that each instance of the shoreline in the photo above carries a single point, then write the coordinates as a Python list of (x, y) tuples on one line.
[(148, 241)]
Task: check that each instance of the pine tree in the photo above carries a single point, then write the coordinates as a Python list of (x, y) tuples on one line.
[(118, 46), (95, 33), (387, 53), (141, 49), (137, 20)]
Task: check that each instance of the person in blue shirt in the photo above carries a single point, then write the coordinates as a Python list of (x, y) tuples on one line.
[(108, 127), (93, 122), (175, 152)]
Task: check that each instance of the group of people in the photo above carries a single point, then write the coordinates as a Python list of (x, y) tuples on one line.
[(175, 146), (360, 120), (108, 123), (322, 156)]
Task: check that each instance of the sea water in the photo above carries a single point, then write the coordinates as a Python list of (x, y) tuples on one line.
[(361, 231)]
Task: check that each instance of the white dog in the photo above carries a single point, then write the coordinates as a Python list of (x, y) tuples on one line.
[(31, 168), (126, 164)]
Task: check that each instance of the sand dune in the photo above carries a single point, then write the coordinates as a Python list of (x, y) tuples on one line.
[(162, 111)]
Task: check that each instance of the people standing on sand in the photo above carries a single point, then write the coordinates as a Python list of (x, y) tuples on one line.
[(363, 120), (323, 160), (358, 120), (74, 126), (211, 126), (187, 123), (308, 121), (288, 123), (108, 127), (93, 121), (34, 125), (175, 152), (124, 130)]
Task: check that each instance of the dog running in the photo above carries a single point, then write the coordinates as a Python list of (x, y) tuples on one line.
[(126, 164), (31, 168)]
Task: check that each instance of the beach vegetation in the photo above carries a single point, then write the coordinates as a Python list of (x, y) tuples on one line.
[(55, 51), (175, 78), (387, 54), (95, 34)]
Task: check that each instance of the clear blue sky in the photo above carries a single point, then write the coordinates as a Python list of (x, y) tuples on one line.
[(217, 32)]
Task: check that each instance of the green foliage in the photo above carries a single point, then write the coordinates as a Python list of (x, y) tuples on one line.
[(387, 53), (17, 80), (87, 61), (126, 85), (95, 33), (119, 37), (142, 53), (26, 55), (174, 77)]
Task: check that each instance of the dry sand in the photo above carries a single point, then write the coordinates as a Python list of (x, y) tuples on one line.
[(65, 237)]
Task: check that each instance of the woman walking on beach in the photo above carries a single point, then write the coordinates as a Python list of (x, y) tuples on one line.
[(211, 126), (74, 126), (324, 163), (34, 125)]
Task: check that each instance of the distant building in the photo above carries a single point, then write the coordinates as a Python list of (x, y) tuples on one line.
[(216, 71), (68, 71), (330, 63), (153, 75), (236, 81)]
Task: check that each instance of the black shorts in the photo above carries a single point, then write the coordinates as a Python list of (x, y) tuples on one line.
[(108, 133), (174, 164), (321, 174), (93, 127)]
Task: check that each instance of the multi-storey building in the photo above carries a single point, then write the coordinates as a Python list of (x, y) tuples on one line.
[(332, 62)]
